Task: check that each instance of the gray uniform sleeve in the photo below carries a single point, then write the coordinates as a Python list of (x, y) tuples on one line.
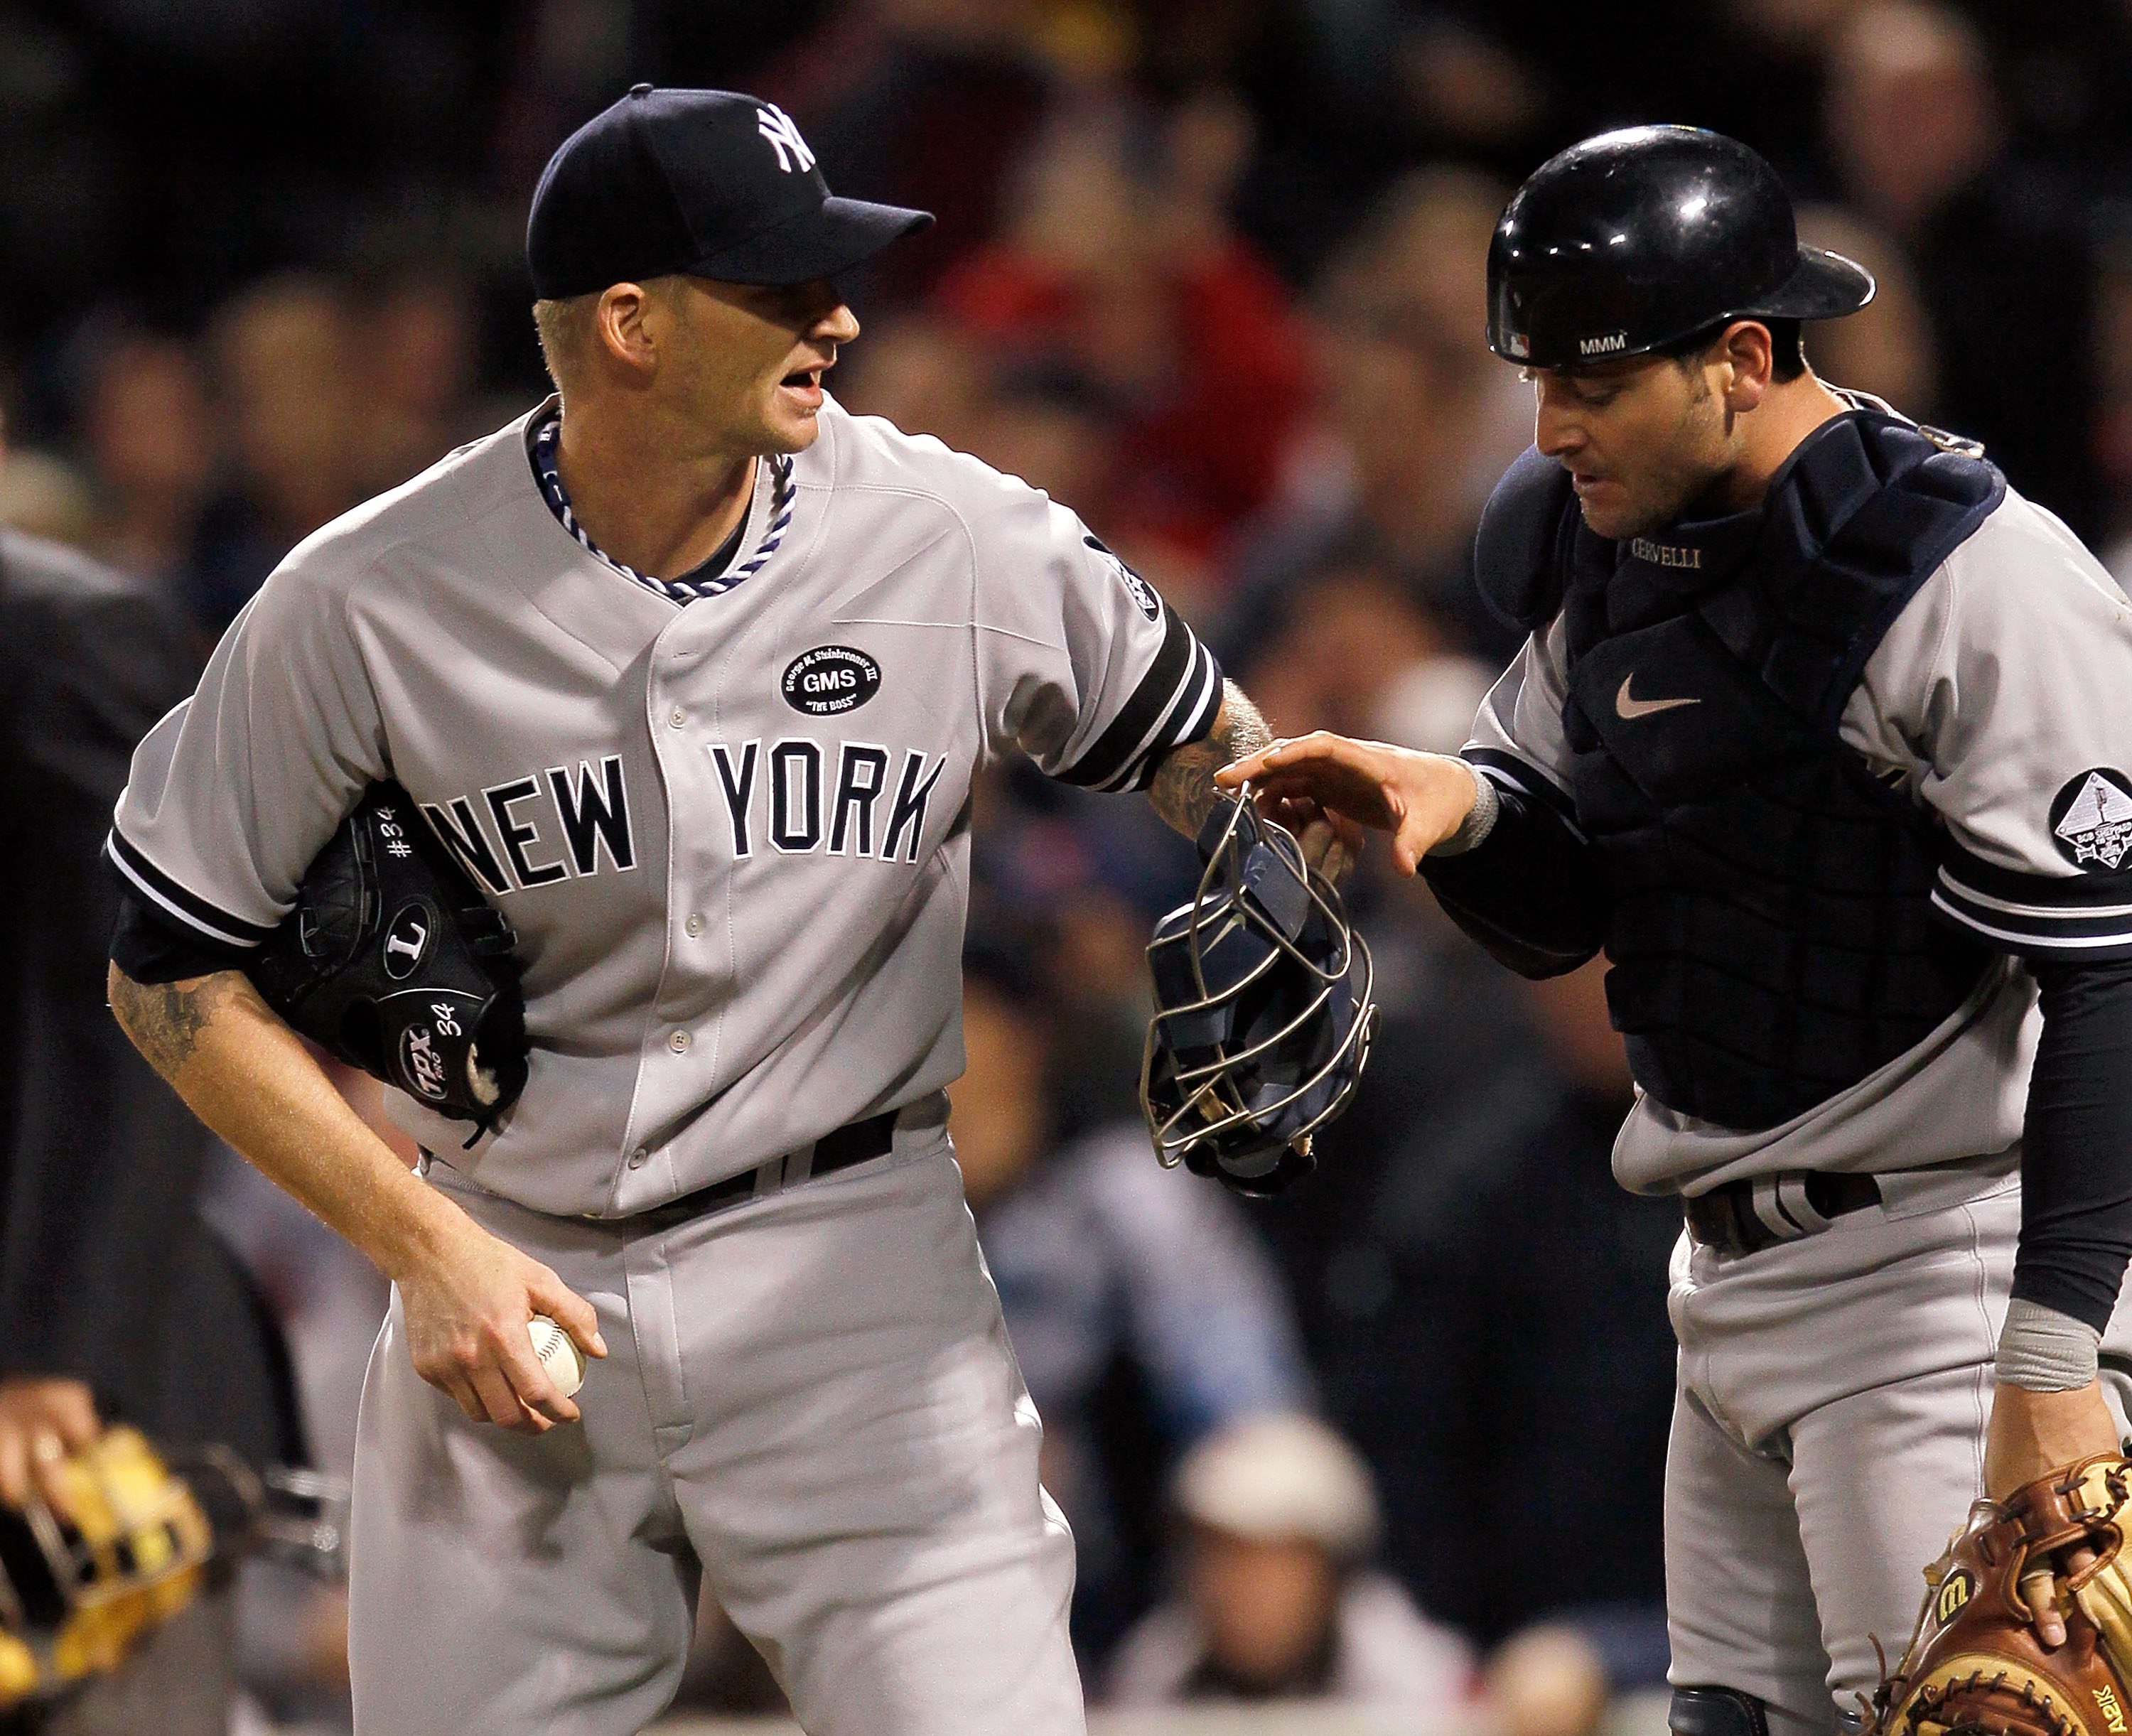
[(1518, 740), (2002, 697), (1080, 663), (231, 796)]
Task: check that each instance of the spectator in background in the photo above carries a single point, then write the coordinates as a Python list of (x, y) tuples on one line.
[(1414, 424), (286, 366), (1276, 1602), (1349, 632), (1455, 1063), (1456, 1321), (1143, 1312), (1058, 430), (1119, 268), (932, 101), (1549, 1282), (43, 496), (149, 434), (413, 332), (2113, 437), (922, 372), (1919, 141), (1500, 1301), (118, 1301), (1548, 1681), (1886, 347)]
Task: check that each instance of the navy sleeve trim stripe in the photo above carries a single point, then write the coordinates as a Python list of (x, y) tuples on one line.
[(1526, 779), (2088, 940), (2084, 918), (145, 878), (1164, 710), (1191, 718), (2006, 888)]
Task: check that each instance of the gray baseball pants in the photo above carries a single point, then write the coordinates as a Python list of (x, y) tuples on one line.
[(810, 1395), (1828, 1436)]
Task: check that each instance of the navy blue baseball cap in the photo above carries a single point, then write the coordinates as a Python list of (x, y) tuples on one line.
[(709, 182)]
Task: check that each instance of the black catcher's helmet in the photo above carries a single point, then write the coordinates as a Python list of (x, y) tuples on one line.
[(1634, 240), (1262, 1009)]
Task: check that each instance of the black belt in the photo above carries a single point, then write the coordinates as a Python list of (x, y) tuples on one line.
[(1745, 1217), (857, 1142)]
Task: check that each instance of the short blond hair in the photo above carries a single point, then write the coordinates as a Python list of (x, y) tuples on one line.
[(563, 325)]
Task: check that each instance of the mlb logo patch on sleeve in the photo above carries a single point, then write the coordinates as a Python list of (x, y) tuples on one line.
[(2091, 820)]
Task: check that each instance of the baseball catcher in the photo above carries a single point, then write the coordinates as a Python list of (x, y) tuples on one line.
[(1820, 737)]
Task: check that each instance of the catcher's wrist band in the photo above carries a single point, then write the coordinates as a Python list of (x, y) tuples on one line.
[(2041, 1350), (1480, 820)]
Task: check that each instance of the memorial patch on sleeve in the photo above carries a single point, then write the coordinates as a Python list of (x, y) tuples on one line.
[(2091, 820)]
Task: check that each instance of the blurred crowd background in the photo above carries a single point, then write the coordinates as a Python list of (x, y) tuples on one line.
[(1210, 271)]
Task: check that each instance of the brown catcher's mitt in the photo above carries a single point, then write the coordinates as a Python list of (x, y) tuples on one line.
[(1975, 1664)]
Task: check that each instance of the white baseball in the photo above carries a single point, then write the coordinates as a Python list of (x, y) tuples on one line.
[(559, 1354)]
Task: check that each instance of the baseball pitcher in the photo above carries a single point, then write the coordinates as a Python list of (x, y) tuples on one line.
[(689, 673)]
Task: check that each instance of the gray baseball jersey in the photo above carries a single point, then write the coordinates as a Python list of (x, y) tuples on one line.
[(1997, 699), (731, 832)]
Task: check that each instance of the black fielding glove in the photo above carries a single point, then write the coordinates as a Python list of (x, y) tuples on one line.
[(393, 961)]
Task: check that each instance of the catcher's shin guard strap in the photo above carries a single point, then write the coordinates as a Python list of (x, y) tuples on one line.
[(1714, 1711)]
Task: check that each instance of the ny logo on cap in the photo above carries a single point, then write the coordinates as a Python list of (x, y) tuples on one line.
[(773, 124)]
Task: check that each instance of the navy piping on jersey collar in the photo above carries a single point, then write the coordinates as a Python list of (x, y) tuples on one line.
[(674, 590), (168, 896)]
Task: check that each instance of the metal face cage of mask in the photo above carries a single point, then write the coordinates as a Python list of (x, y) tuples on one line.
[(1263, 1010)]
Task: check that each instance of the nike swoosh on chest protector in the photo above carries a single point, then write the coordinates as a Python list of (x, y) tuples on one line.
[(1629, 708)]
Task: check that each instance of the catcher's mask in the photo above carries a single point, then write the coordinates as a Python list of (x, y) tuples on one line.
[(1262, 1009)]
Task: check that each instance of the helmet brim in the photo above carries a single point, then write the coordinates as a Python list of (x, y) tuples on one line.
[(1823, 285)]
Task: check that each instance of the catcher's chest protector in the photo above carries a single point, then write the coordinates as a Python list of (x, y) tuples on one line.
[(1771, 937)]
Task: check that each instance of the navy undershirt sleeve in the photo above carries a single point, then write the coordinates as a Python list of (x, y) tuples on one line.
[(2077, 1145), (149, 949), (1532, 893)]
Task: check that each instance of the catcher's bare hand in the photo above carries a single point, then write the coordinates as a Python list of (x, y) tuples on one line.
[(1421, 799), (2031, 1434), (466, 1308), (42, 1422)]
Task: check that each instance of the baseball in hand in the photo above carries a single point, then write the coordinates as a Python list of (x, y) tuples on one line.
[(559, 1354)]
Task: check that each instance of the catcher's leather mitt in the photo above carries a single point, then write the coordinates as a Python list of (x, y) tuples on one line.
[(1975, 1664), (393, 961)]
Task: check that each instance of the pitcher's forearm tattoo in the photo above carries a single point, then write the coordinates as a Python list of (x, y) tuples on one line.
[(165, 1019), (1183, 790)]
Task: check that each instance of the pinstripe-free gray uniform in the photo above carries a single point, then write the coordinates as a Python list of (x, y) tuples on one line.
[(730, 827), (1834, 1388)]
